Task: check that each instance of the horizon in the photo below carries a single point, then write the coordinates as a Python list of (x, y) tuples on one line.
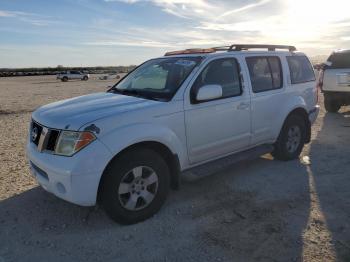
[(90, 33)]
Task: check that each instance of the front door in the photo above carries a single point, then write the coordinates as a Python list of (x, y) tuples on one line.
[(221, 126)]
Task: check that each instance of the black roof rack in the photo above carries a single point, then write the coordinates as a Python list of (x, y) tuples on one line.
[(268, 47), (230, 48), (222, 48)]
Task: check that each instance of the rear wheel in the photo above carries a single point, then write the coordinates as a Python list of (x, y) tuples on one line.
[(85, 78), (331, 104), (64, 79), (135, 186), (291, 139)]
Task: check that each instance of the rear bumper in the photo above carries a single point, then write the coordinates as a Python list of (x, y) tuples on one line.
[(313, 113), (341, 97), (74, 179), (336, 89)]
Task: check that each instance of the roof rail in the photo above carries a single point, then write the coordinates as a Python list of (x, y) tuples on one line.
[(191, 51), (268, 47), (222, 48), (230, 48)]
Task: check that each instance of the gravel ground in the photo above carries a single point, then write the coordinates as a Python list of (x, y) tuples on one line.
[(261, 210)]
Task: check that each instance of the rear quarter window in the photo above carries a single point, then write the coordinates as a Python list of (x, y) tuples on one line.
[(301, 70), (265, 73)]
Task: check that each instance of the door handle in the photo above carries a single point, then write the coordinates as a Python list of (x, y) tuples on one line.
[(243, 106)]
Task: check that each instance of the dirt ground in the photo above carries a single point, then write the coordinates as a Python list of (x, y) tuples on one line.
[(261, 210)]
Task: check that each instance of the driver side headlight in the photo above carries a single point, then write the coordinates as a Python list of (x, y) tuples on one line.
[(70, 142)]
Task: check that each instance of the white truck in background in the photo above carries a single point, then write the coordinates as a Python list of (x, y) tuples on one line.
[(334, 80)]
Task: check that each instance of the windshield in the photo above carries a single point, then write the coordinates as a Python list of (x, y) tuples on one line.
[(157, 79)]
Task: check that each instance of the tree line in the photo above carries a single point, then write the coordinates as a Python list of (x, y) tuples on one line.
[(55, 70)]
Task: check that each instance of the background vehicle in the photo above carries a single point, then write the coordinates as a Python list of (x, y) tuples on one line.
[(335, 80), (70, 75), (108, 77), (190, 111)]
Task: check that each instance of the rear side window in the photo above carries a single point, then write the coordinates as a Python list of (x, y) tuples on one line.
[(224, 72), (339, 60), (265, 73), (301, 70)]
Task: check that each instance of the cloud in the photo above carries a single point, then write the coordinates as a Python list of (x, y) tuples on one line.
[(32, 18), (4, 13), (111, 31), (244, 8), (306, 24), (181, 8), (154, 44)]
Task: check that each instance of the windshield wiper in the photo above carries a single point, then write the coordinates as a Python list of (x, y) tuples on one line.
[(133, 92), (125, 91)]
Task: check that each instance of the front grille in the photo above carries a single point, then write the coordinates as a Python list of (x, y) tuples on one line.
[(44, 138), (39, 128), (51, 143)]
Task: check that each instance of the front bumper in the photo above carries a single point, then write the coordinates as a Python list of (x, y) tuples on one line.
[(314, 113), (74, 179)]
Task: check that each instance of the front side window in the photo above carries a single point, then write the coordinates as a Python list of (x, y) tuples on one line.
[(301, 70), (265, 73), (224, 72), (158, 78)]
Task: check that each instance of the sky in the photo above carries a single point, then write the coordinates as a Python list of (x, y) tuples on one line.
[(35, 33)]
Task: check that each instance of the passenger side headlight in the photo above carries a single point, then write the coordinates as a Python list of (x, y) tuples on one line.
[(70, 142)]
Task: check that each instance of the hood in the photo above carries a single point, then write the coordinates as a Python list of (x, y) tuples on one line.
[(75, 112)]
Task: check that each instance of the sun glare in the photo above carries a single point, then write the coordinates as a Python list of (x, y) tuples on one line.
[(306, 22)]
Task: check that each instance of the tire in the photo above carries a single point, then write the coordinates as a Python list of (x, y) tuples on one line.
[(331, 104), (64, 79), (291, 140), (85, 78), (124, 186)]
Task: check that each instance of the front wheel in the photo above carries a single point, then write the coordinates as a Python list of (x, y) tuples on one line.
[(135, 186), (85, 78), (291, 140)]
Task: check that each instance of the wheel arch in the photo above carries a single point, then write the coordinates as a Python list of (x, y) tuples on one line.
[(301, 111), (164, 151)]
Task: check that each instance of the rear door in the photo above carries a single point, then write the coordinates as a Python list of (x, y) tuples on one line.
[(268, 95), (337, 72)]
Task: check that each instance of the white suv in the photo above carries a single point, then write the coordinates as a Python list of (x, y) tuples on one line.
[(186, 111), (335, 80), (70, 75)]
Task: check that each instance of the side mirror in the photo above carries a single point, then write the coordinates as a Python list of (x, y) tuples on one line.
[(209, 92)]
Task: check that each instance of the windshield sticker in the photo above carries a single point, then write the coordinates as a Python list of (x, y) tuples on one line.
[(185, 62)]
